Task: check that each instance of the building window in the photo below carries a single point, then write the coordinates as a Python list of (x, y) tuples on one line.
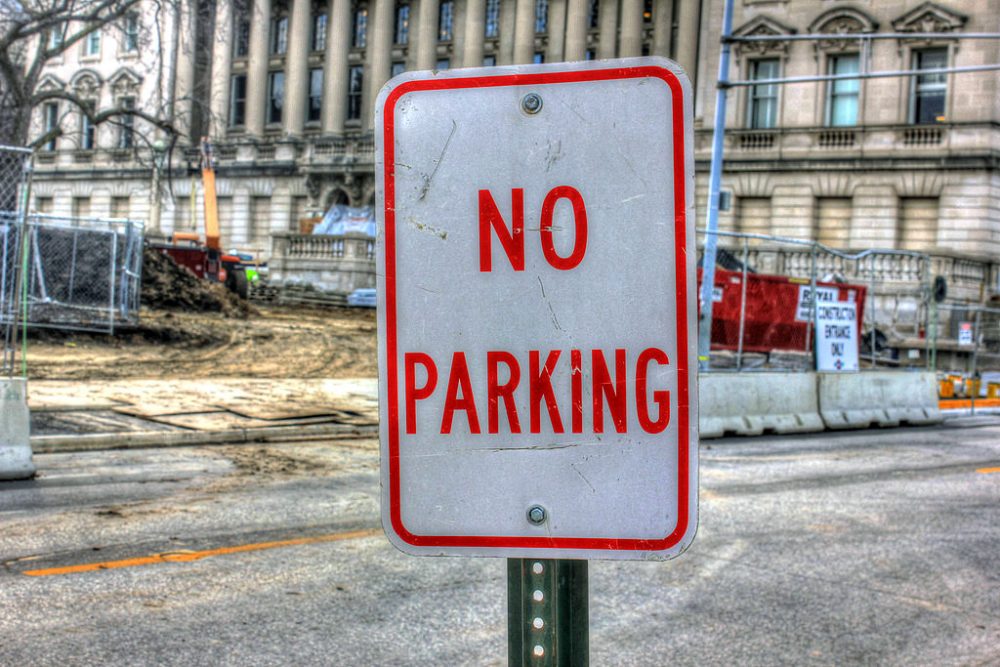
[(401, 35), (238, 100), (589, 54), (442, 64), (492, 18), (55, 38), (241, 43), (275, 96), (538, 58), (279, 36), (541, 16), (446, 20), (355, 84), (360, 28), (929, 90), (842, 106), (51, 123), (593, 12), (92, 43), (398, 68), (315, 95), (88, 132), (126, 131), (762, 112), (44, 204), (319, 32), (489, 61), (131, 42)]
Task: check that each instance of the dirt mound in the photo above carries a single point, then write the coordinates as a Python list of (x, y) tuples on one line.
[(168, 286)]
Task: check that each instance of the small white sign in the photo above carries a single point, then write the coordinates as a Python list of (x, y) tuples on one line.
[(803, 311), (837, 337), (536, 311), (965, 333)]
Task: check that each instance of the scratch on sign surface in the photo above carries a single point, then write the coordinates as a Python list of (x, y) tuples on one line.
[(583, 477), (552, 312), (437, 163)]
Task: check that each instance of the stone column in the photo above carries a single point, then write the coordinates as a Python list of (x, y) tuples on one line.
[(631, 39), (505, 54), (607, 17), (379, 57), (524, 32), (338, 42), (576, 29), (297, 67), (687, 35), (557, 31), (475, 30), (427, 34), (260, 27), (222, 64), (662, 21), (184, 81)]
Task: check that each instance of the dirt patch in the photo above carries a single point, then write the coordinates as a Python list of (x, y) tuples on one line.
[(168, 286), (271, 342), (271, 461)]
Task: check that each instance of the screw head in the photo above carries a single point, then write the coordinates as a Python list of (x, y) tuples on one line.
[(536, 514), (531, 103)]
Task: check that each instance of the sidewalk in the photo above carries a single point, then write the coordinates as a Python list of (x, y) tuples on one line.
[(68, 416)]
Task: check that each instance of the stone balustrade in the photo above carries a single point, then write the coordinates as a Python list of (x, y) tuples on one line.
[(955, 139), (328, 263), (898, 284)]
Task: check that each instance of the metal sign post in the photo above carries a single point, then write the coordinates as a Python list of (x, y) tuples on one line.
[(536, 312), (547, 613)]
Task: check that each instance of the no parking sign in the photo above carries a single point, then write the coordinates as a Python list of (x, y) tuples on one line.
[(537, 344)]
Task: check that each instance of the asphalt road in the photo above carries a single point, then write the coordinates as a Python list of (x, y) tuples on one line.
[(871, 547)]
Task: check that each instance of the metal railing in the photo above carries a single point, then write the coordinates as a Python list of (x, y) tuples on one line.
[(15, 171), (892, 288), (79, 273)]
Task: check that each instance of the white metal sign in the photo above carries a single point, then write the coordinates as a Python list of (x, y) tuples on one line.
[(965, 333), (836, 337), (804, 308), (537, 372)]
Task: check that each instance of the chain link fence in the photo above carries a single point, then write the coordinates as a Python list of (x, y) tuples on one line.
[(15, 169), (82, 273), (794, 305)]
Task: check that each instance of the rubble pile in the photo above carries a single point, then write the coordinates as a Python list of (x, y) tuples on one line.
[(168, 286)]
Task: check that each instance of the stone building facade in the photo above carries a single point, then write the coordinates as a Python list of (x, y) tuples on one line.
[(899, 162), (285, 89)]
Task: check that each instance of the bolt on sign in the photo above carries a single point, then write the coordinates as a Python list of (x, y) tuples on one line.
[(536, 311)]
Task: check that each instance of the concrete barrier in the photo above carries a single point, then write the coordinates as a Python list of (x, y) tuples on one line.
[(883, 398), (15, 445), (751, 403)]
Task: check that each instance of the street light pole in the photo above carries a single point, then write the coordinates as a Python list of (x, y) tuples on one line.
[(715, 179)]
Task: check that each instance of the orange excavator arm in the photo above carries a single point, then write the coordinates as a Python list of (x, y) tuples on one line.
[(212, 236)]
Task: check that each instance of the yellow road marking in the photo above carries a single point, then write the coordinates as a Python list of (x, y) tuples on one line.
[(188, 556), (986, 471)]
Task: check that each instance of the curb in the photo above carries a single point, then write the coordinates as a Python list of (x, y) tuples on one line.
[(59, 444)]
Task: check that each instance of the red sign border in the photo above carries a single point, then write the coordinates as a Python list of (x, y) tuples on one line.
[(680, 245)]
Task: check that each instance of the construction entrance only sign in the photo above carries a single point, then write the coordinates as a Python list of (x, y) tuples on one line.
[(536, 311)]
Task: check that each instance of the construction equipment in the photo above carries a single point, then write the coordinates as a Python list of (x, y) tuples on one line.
[(207, 259)]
